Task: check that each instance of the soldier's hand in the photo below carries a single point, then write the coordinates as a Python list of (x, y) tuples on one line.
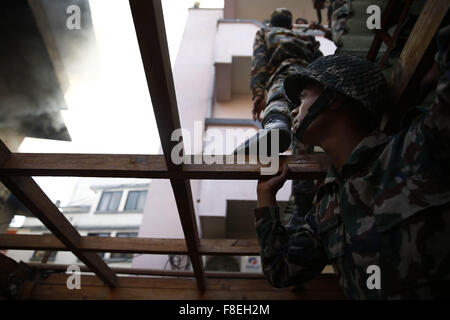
[(267, 188), (313, 25), (259, 104)]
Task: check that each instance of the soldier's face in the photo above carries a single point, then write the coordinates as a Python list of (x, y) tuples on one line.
[(308, 96)]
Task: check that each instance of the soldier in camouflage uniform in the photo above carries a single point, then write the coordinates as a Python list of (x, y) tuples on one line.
[(277, 52), (386, 199), (341, 12)]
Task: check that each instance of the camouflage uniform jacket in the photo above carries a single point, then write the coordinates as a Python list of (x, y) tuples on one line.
[(388, 206), (274, 49)]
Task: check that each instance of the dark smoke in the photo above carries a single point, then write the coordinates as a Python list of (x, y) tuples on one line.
[(32, 84)]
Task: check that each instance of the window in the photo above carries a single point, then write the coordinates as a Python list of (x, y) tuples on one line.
[(135, 201), (109, 201), (38, 255), (99, 234), (125, 257)]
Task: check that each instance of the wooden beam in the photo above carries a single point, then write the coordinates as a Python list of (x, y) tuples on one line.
[(240, 247), (150, 30), (153, 166), (31, 196), (85, 165), (153, 272), (415, 60), (208, 247), (423, 32), (18, 271), (54, 287)]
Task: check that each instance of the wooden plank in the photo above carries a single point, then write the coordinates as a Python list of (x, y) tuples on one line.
[(21, 272), (31, 196), (415, 60), (52, 292), (153, 272), (85, 165), (53, 287), (240, 247), (94, 244), (183, 198), (300, 167), (150, 30), (153, 166), (423, 32), (321, 282), (5, 154), (208, 247)]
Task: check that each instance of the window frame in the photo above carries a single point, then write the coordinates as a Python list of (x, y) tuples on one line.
[(97, 210), (128, 197)]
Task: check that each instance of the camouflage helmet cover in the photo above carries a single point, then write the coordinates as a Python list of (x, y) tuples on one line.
[(281, 11), (352, 76)]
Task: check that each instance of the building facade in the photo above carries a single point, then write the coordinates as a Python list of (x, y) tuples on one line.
[(97, 208)]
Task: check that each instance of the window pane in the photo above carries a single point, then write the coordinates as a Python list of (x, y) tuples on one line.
[(126, 235), (136, 200), (131, 200), (99, 234), (104, 200), (141, 201), (110, 201), (115, 200)]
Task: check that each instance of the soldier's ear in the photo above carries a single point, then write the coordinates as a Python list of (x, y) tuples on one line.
[(337, 101)]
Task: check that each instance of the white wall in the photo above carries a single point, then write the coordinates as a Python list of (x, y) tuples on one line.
[(234, 39)]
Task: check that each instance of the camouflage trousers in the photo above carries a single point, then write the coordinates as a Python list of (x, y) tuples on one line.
[(277, 103), (302, 190)]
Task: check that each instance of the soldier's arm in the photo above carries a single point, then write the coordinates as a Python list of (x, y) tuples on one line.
[(316, 26), (258, 75), (292, 255)]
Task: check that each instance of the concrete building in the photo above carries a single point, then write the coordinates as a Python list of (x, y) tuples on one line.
[(110, 208), (211, 76)]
